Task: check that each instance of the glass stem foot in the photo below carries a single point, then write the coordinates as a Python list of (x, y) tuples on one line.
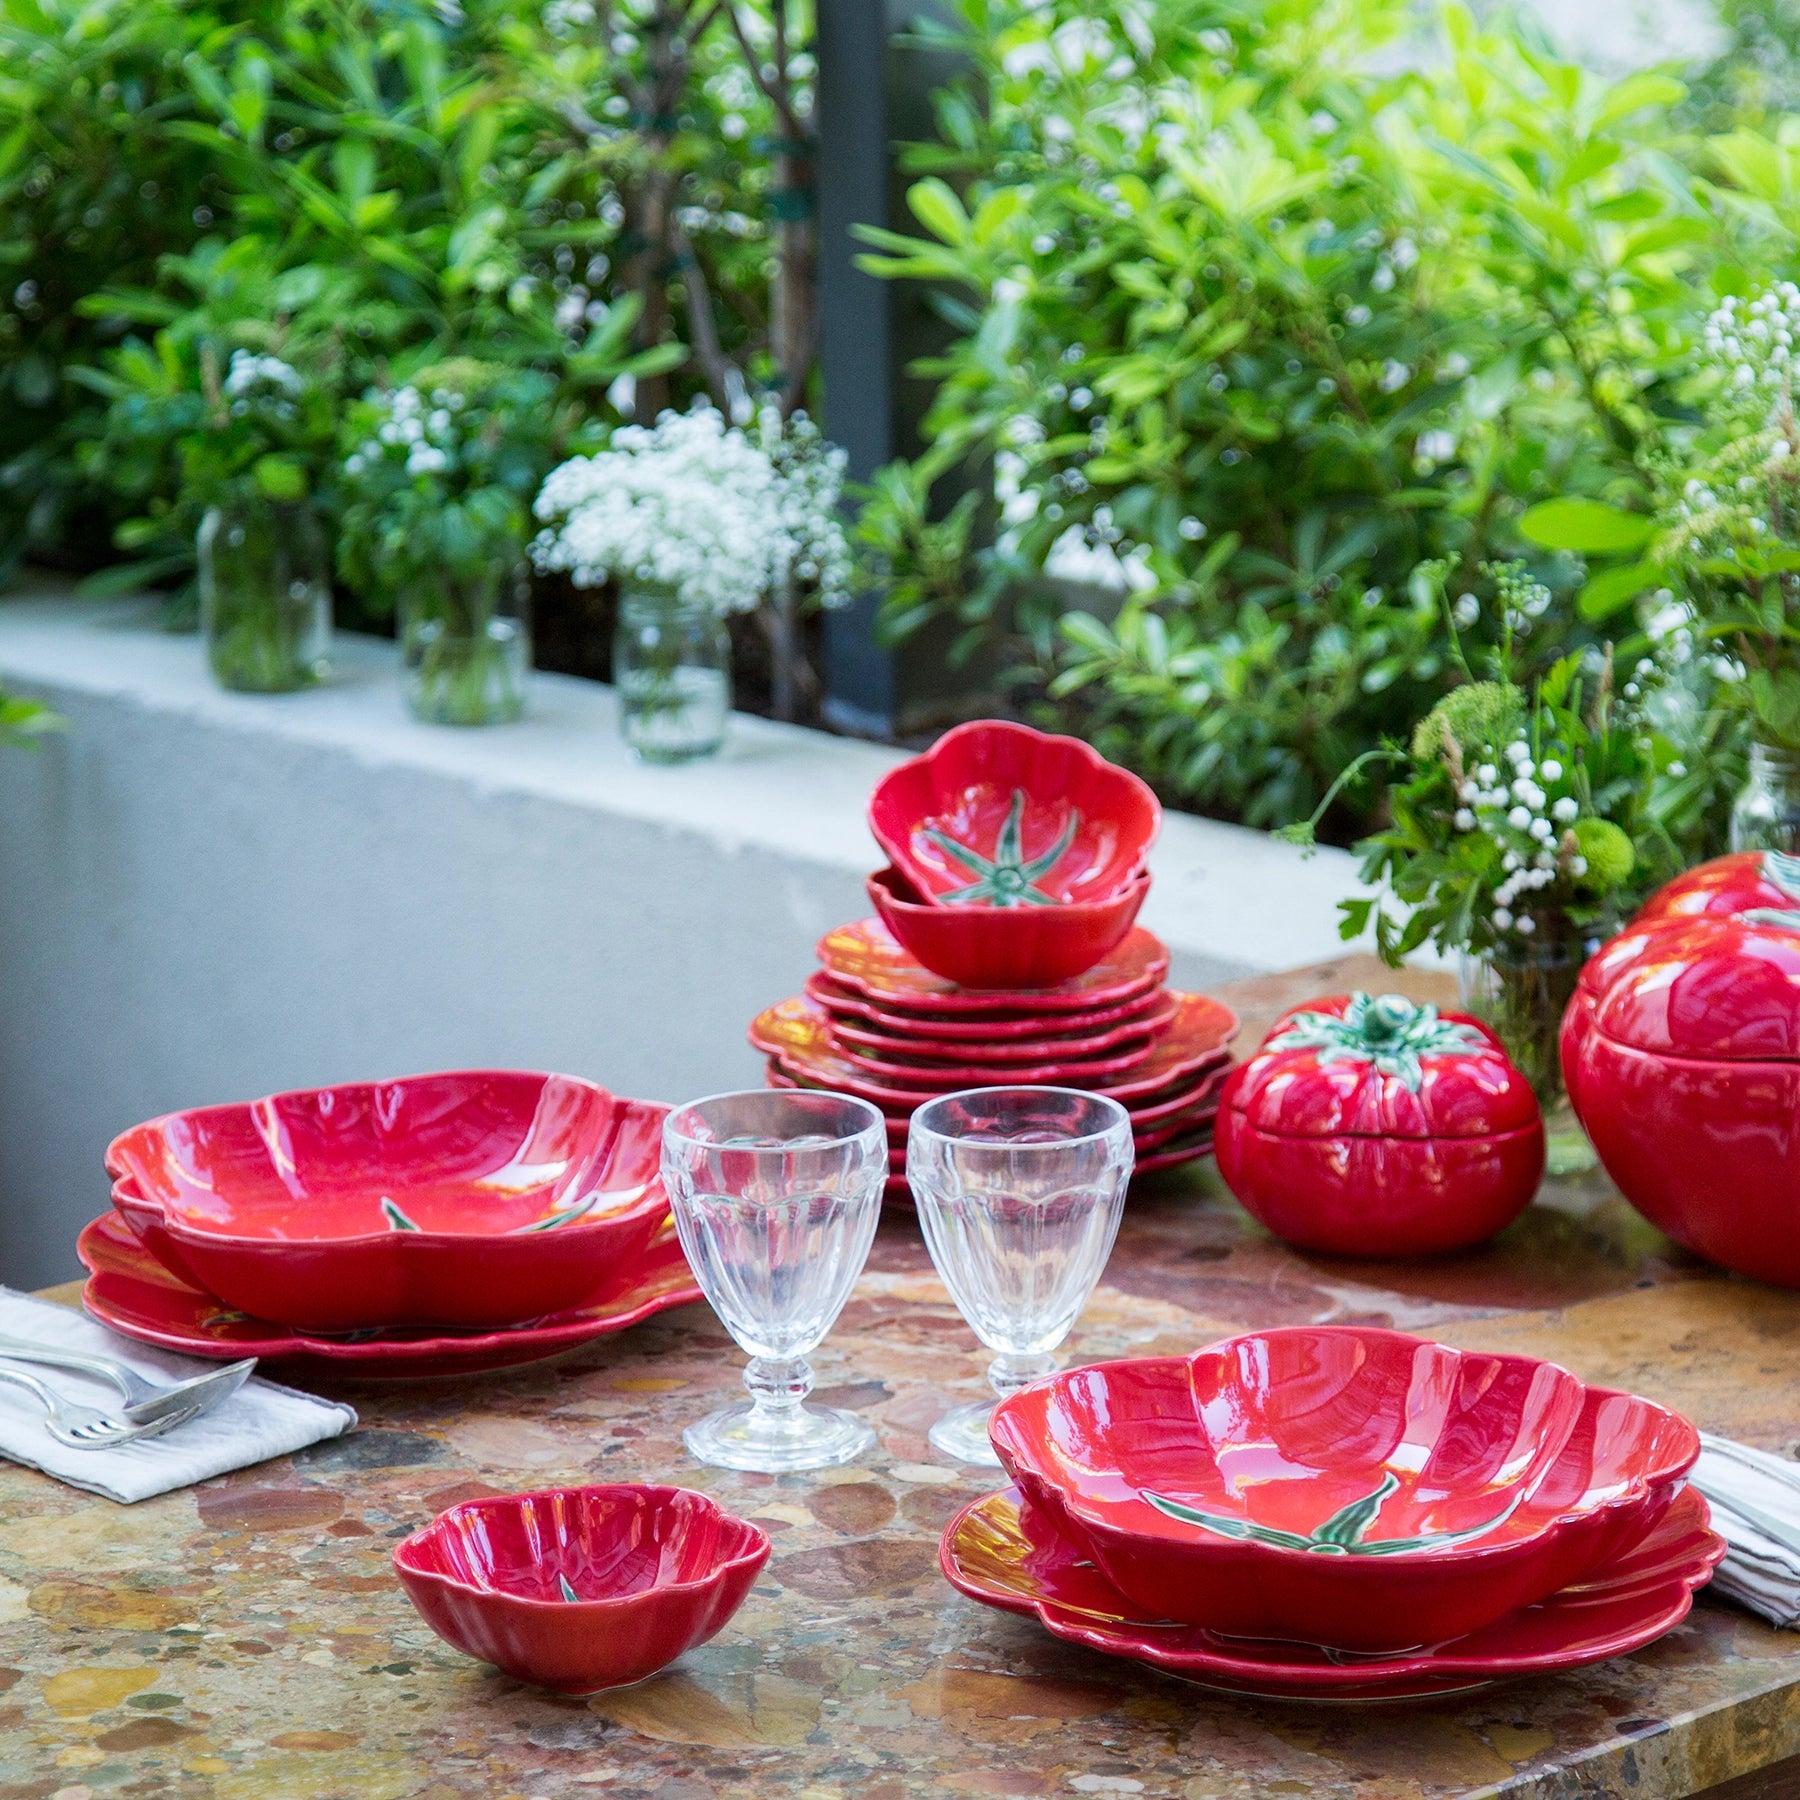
[(775, 1431), (963, 1434)]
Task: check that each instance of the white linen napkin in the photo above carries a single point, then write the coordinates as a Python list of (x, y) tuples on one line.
[(262, 1419), (1755, 1501)]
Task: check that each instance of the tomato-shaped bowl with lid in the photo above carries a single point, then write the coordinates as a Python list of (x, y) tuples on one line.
[(1367, 1125), (1681, 1055)]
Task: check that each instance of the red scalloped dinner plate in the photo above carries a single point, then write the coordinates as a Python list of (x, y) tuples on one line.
[(1051, 1064), (1006, 1553), (844, 1004), (859, 1039), (864, 957), (129, 1290), (796, 1034)]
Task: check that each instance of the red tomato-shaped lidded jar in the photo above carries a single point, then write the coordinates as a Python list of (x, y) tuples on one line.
[(1371, 1126), (1681, 1053)]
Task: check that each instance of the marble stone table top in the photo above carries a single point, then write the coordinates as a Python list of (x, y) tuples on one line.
[(245, 1640)]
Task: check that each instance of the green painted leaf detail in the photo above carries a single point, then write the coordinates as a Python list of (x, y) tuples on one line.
[(1387, 1031), (551, 1221), (397, 1220), (568, 1592), (1782, 918), (1006, 878), (1218, 1523), (1347, 1525), (1782, 871), (1342, 1533), (1436, 1540)]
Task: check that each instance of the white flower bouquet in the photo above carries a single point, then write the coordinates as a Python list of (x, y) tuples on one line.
[(699, 508)]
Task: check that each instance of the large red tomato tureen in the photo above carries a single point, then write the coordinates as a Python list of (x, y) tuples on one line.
[(1681, 1053)]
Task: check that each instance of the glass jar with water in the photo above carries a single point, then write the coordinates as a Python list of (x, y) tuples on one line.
[(672, 669)]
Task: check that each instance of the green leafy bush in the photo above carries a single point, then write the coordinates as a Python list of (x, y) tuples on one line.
[(1256, 330), (400, 180)]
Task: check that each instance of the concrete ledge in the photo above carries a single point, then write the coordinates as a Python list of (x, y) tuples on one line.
[(206, 895)]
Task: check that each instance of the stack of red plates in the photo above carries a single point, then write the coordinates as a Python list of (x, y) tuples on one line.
[(874, 1022), (1339, 1513), (431, 1225)]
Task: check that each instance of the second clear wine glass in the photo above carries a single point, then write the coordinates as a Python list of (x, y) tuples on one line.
[(776, 1196), (1019, 1192)]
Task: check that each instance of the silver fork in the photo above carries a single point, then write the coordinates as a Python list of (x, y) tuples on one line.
[(145, 1401), (84, 1427)]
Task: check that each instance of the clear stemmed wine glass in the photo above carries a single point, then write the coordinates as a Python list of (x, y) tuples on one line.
[(1019, 1191), (776, 1195)]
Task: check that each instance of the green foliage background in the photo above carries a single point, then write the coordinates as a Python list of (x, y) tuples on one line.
[(1273, 299), (365, 186)]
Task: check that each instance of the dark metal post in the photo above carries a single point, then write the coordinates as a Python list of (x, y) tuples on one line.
[(856, 323), (874, 92)]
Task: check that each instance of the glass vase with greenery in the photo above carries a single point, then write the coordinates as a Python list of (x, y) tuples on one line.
[(1527, 820), (264, 565), (220, 429), (1729, 541), (436, 491)]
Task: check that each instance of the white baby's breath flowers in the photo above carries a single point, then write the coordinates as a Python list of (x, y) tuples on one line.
[(254, 383), (699, 507), (421, 436)]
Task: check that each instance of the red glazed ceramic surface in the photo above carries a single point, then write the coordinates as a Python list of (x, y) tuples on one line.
[(1006, 1553), (846, 1006), (1341, 1485), (797, 1034), (1006, 947), (1198, 1105), (578, 1589), (1051, 1063), (1681, 1054), (461, 1199), (129, 1290), (998, 815), (1368, 1126), (851, 1033), (864, 958), (1727, 884), (1189, 1147)]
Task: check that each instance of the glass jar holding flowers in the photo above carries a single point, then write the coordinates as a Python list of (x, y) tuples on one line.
[(437, 490), (1523, 829), (1729, 541), (694, 520), (264, 566)]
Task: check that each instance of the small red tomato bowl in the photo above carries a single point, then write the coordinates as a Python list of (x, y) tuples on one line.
[(990, 947), (467, 1199), (1372, 1126), (1338, 1485), (998, 815), (579, 1589)]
